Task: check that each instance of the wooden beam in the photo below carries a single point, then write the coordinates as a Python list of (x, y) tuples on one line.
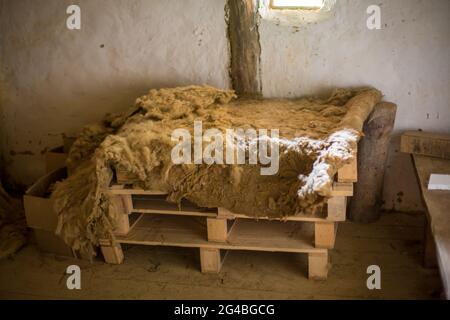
[(210, 260), (343, 189), (337, 208), (426, 144), (349, 172), (112, 253), (245, 47), (429, 248), (372, 155), (217, 229), (324, 234), (318, 266)]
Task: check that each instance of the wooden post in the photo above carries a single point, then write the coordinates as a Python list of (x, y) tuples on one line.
[(318, 265), (217, 229), (112, 252), (337, 208), (324, 234), (245, 47), (372, 154), (210, 260), (349, 172), (122, 205), (429, 248)]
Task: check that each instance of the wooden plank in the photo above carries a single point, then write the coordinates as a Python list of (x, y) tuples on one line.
[(160, 206), (342, 189), (122, 224), (113, 253), (210, 260), (349, 172), (318, 266), (426, 143), (124, 177), (337, 208), (437, 203), (225, 213), (325, 234), (121, 204), (153, 202), (272, 236), (127, 203), (55, 159), (217, 229), (157, 204), (429, 250)]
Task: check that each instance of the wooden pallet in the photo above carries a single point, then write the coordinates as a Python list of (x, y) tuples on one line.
[(214, 236), (145, 218)]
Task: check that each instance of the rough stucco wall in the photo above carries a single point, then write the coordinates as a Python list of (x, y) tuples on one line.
[(408, 59), (54, 80)]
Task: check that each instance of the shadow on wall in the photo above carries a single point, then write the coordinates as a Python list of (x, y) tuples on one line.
[(27, 138)]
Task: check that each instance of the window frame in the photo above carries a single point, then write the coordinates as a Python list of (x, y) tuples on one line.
[(273, 7)]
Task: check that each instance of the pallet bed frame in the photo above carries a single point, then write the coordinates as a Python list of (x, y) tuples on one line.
[(145, 218)]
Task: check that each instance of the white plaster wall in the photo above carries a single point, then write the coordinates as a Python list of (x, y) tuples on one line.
[(408, 60), (53, 80)]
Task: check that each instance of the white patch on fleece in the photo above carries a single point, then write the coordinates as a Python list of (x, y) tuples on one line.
[(337, 146)]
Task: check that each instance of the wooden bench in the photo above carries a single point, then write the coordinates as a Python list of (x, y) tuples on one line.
[(437, 202)]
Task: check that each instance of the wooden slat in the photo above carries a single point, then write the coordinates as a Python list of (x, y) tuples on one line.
[(217, 229), (318, 266), (325, 234), (161, 206), (425, 143), (224, 213), (210, 260), (113, 254), (153, 202), (337, 208), (349, 172), (342, 189), (429, 250), (245, 235)]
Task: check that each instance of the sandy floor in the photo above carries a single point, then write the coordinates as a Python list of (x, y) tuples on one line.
[(394, 243)]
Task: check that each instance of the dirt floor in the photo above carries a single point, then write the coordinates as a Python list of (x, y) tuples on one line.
[(394, 243)]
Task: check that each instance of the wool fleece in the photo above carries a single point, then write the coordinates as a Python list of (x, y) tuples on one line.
[(316, 138)]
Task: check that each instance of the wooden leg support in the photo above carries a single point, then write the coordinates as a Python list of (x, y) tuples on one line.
[(127, 203), (324, 234), (349, 172), (217, 229), (122, 206), (122, 225), (337, 208), (112, 253), (318, 265), (210, 260), (429, 248)]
